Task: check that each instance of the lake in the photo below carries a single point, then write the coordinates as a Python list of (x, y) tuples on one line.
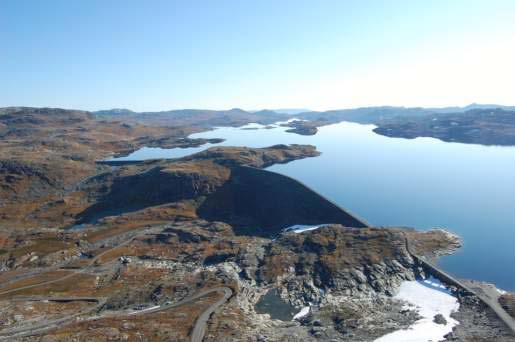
[(422, 183)]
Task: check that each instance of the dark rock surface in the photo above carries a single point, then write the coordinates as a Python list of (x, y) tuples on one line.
[(477, 323), (252, 203), (480, 126), (203, 178), (439, 319)]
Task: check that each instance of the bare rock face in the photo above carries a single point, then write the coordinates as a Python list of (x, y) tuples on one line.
[(477, 323), (439, 319), (346, 260)]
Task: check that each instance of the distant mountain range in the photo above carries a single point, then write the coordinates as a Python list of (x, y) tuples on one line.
[(234, 116), (203, 118), (470, 107), (291, 111)]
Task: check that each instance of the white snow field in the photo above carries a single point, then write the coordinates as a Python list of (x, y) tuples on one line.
[(429, 297)]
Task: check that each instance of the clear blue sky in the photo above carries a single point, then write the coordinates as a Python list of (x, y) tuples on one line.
[(157, 55)]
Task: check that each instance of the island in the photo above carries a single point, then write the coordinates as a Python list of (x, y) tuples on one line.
[(478, 126)]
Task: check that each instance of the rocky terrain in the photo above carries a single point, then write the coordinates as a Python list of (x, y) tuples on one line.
[(45, 152), (190, 248), (472, 124), (477, 323), (507, 301), (199, 118), (479, 126), (304, 127)]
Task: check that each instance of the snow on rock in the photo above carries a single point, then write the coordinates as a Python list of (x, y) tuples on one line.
[(429, 297), (303, 312), (502, 292), (299, 228)]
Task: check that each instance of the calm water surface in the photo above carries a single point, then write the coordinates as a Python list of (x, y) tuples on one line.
[(423, 183)]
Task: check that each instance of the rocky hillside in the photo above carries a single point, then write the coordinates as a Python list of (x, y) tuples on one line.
[(224, 183), (45, 152), (194, 117), (96, 251), (341, 259), (478, 126)]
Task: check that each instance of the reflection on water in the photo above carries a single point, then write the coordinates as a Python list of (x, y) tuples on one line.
[(424, 183)]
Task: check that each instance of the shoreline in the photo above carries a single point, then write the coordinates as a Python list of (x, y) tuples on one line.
[(463, 285)]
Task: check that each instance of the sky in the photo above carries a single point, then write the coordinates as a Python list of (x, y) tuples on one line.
[(166, 54)]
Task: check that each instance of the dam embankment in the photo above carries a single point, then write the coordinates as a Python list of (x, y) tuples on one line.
[(463, 289), (260, 202)]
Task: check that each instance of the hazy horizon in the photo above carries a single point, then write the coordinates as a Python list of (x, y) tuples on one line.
[(96, 55), (278, 110)]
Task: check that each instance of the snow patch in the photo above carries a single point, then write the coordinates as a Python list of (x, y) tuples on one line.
[(502, 292), (299, 228), (145, 310), (428, 297), (303, 312)]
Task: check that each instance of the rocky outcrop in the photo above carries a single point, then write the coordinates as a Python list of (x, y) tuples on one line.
[(439, 319), (477, 323), (255, 157), (351, 261)]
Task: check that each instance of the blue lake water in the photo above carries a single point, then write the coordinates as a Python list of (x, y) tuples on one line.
[(422, 183)]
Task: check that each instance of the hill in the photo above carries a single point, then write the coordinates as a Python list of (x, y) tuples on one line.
[(477, 126)]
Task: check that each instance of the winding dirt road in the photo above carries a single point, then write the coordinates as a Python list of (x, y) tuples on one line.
[(45, 325), (75, 272), (199, 330), (197, 334), (493, 304)]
